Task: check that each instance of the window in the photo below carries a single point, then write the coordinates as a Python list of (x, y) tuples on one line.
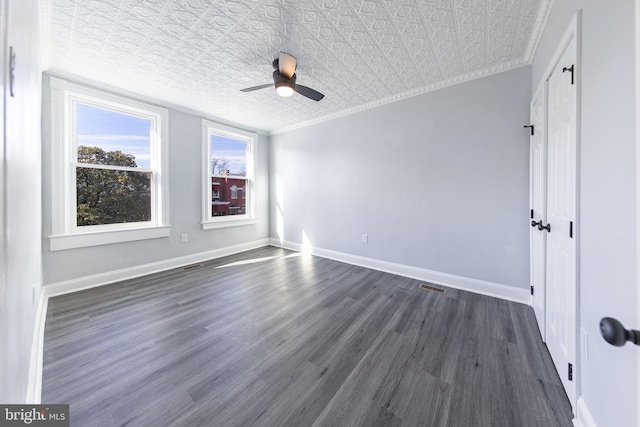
[(228, 168), (109, 180)]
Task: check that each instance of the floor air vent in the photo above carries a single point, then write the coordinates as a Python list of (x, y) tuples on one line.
[(191, 267), (432, 288)]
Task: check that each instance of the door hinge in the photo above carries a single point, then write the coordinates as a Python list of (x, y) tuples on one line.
[(571, 229), (570, 372), (571, 70), (531, 289), (531, 127)]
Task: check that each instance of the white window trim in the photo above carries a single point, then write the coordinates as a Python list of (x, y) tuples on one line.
[(210, 222), (65, 233)]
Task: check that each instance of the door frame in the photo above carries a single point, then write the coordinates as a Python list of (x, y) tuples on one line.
[(637, 160), (541, 96), (574, 30), (4, 64)]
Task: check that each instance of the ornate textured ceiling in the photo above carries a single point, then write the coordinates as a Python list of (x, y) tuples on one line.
[(198, 54)]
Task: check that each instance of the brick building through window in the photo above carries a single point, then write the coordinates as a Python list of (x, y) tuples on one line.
[(228, 196)]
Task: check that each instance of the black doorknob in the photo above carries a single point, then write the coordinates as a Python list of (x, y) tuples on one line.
[(615, 334), (544, 227), (536, 223)]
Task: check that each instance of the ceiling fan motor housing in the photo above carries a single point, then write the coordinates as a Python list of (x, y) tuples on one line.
[(284, 79), (279, 78), (284, 86)]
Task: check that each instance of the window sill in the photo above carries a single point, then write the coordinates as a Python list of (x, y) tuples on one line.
[(228, 222), (81, 240)]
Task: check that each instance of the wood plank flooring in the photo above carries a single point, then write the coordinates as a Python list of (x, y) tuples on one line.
[(272, 338)]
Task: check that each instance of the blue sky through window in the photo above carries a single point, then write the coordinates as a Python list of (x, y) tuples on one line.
[(113, 131), (232, 150)]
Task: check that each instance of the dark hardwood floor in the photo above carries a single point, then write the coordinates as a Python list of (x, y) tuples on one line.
[(270, 338)]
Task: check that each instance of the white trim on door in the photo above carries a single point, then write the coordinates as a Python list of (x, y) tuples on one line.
[(637, 325), (537, 204), (573, 32)]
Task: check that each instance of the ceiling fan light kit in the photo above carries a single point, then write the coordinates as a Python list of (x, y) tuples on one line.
[(284, 86), (284, 79), (284, 89)]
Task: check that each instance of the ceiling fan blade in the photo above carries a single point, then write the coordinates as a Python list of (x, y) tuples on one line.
[(287, 64), (309, 93), (251, 89)]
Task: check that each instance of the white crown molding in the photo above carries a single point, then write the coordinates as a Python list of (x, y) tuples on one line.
[(75, 78), (463, 78), (538, 29), (199, 54), (477, 286)]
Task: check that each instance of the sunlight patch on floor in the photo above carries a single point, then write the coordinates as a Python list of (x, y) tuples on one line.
[(248, 261)]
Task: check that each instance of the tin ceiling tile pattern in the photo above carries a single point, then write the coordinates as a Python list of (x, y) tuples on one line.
[(198, 54)]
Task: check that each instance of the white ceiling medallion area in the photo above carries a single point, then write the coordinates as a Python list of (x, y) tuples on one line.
[(198, 54)]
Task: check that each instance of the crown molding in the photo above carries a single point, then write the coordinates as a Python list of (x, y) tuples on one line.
[(463, 78), (148, 99), (538, 29)]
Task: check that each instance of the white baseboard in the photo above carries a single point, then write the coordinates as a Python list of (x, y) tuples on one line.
[(482, 287), (87, 282), (34, 390), (74, 285), (583, 415), (34, 387)]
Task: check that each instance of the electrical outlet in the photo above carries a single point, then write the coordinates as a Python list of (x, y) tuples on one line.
[(584, 344), (365, 238), (184, 238)]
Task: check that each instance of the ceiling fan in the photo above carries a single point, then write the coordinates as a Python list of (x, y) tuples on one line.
[(284, 79)]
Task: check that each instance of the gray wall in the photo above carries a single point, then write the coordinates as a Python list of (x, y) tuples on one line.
[(20, 235), (608, 212), (438, 181), (185, 140)]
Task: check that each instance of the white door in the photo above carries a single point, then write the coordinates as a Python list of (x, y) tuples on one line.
[(561, 218), (538, 194)]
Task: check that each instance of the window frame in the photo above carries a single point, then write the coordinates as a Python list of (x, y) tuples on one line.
[(209, 221), (66, 234)]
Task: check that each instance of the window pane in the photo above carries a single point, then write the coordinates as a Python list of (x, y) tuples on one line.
[(225, 199), (109, 138), (228, 155), (110, 197)]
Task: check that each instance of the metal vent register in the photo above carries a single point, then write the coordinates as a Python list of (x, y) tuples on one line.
[(432, 288)]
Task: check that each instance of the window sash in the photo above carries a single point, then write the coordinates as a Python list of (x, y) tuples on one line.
[(208, 219), (66, 233), (115, 168), (76, 99), (136, 198)]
